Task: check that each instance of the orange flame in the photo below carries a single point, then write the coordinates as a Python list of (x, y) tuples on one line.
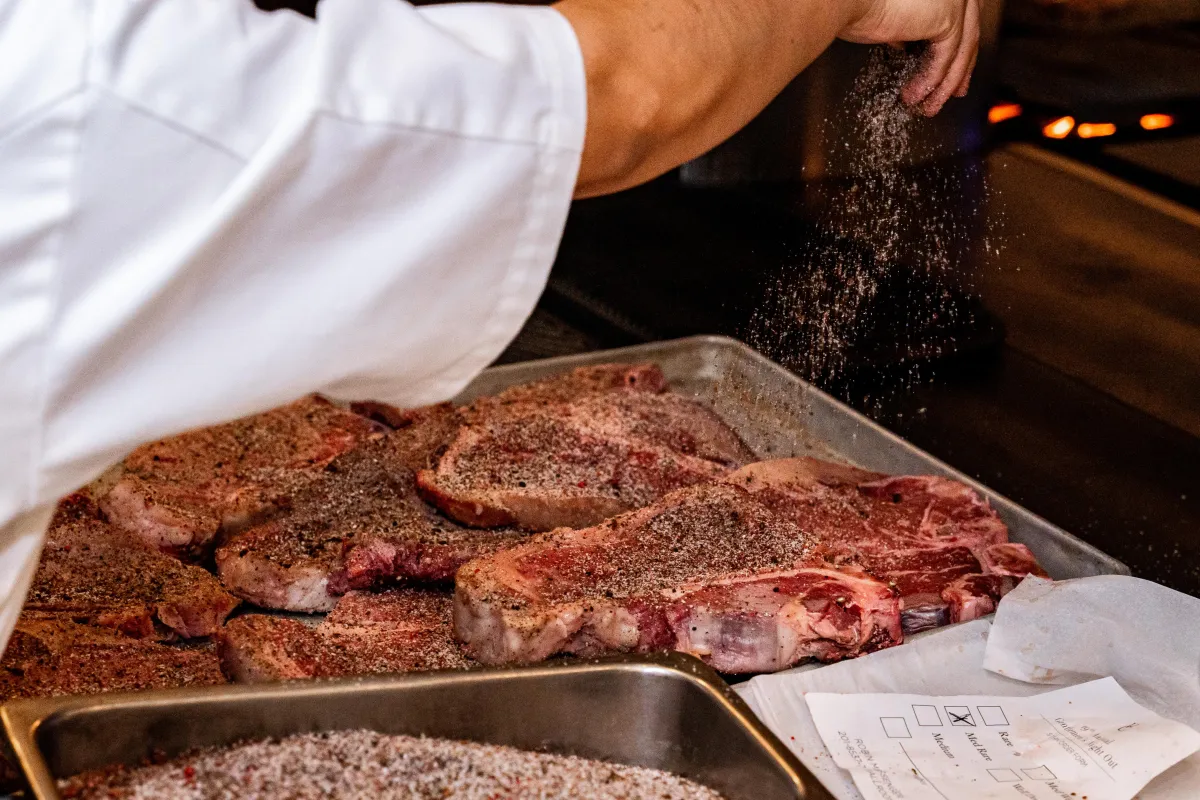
[(1059, 129), (1003, 111), (1155, 122), (1093, 130)]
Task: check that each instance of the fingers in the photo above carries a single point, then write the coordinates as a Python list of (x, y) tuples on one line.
[(965, 86), (938, 58), (971, 41), (949, 62), (960, 67)]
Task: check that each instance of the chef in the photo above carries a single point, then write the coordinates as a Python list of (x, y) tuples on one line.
[(209, 210)]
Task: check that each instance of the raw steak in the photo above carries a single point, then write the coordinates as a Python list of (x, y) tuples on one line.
[(402, 630), (974, 596), (419, 435), (179, 493), (49, 655), (92, 572), (543, 465), (583, 381), (709, 570), (921, 535), (429, 430), (1010, 558), (358, 524)]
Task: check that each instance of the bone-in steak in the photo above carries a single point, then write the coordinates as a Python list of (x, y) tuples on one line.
[(1010, 558), (920, 534), (91, 571), (178, 493), (543, 465), (430, 429), (49, 655), (419, 435), (357, 524), (583, 381), (402, 630), (709, 570)]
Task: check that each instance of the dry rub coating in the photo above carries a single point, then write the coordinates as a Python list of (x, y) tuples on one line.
[(359, 525), (92, 572), (179, 494), (402, 630), (544, 463), (707, 570)]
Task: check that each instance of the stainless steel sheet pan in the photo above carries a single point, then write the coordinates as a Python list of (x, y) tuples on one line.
[(666, 711), (780, 415)]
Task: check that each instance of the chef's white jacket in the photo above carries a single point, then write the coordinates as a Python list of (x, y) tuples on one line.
[(207, 210)]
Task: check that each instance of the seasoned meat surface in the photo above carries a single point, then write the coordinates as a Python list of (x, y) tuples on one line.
[(178, 494), (542, 465), (780, 561), (356, 525), (921, 535), (91, 571), (582, 381), (401, 630), (49, 656), (708, 570)]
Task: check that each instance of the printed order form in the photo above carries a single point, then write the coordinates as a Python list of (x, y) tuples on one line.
[(1087, 741)]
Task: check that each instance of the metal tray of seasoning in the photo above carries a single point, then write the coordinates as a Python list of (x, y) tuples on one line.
[(779, 416), (669, 712)]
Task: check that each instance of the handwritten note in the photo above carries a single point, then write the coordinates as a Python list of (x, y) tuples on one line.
[(1090, 740)]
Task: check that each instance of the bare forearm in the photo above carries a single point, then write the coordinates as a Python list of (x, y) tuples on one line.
[(670, 79)]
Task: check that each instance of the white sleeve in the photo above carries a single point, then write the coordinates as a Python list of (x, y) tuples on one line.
[(209, 210), (367, 206)]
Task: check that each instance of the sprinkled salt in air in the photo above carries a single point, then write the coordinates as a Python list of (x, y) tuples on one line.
[(814, 315), (826, 301)]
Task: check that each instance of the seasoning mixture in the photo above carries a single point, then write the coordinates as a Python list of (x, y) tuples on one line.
[(364, 764), (820, 306)]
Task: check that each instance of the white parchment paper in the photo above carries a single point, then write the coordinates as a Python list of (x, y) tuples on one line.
[(1145, 636), (1089, 740)]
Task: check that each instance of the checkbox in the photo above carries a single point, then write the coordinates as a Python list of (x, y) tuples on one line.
[(960, 716), (927, 716), (993, 716), (1004, 775)]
